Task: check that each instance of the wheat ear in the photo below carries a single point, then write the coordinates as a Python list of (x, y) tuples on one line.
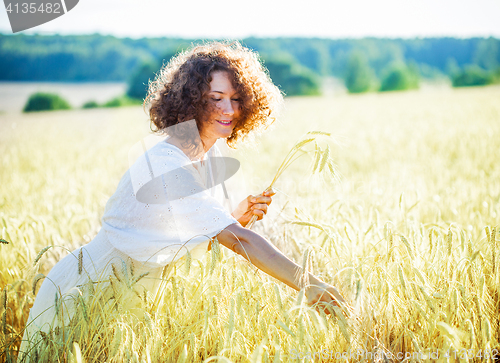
[(297, 151)]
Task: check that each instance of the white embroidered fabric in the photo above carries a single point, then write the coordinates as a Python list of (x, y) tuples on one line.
[(181, 207), (163, 206)]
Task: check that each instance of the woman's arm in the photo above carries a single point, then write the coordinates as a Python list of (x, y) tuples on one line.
[(265, 256)]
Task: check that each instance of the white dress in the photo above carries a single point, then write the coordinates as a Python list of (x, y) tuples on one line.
[(163, 206)]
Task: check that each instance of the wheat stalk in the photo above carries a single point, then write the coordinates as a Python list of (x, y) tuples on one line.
[(4, 298), (35, 281), (4, 322), (40, 254), (138, 278), (320, 160), (80, 261), (115, 272)]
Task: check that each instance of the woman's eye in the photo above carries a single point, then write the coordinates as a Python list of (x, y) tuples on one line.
[(216, 99), (236, 100)]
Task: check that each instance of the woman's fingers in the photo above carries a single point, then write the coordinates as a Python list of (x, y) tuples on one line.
[(258, 204), (326, 298), (259, 210), (337, 300), (269, 193), (335, 295), (259, 199), (260, 207)]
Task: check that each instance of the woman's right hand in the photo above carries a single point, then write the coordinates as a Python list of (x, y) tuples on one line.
[(253, 205)]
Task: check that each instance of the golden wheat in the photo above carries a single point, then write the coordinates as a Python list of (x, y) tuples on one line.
[(409, 235)]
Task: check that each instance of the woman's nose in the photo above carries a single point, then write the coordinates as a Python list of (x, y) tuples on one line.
[(227, 108)]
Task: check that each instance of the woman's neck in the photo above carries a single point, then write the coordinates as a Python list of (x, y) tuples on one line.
[(192, 151), (207, 144)]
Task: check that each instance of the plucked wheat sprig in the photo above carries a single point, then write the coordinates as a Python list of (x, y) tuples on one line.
[(321, 158)]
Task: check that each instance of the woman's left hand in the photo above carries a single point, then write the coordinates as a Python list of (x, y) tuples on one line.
[(253, 205), (326, 297)]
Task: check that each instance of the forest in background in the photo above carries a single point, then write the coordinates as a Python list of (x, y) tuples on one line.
[(297, 65)]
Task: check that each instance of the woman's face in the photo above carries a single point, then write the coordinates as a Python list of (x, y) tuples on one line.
[(225, 104)]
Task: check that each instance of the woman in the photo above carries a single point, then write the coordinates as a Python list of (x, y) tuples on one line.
[(171, 199)]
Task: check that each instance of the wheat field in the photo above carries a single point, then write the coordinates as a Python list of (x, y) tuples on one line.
[(409, 234)]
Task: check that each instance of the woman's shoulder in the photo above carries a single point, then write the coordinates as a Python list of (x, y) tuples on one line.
[(160, 154), (165, 152), (152, 157)]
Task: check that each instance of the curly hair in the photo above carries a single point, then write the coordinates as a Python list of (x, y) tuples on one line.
[(179, 91)]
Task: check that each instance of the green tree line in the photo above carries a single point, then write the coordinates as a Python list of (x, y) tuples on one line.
[(295, 64)]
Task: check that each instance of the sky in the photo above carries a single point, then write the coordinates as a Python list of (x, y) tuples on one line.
[(276, 18)]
